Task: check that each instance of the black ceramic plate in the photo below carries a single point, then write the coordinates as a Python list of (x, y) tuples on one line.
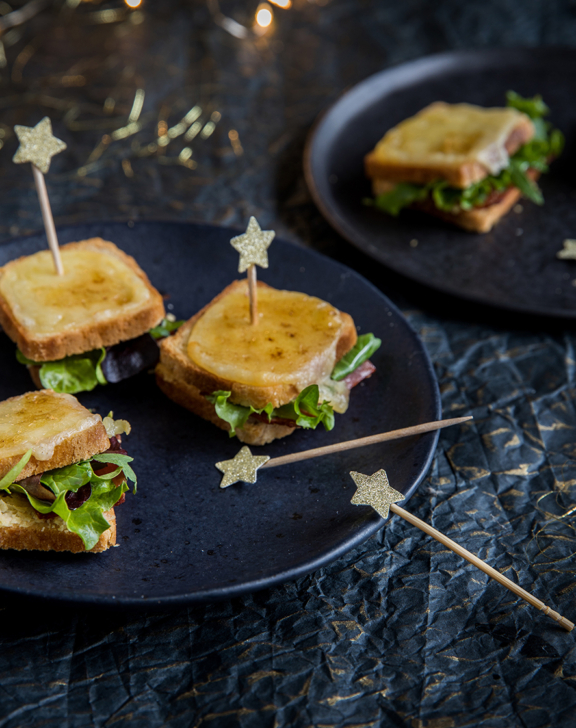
[(183, 539), (513, 267)]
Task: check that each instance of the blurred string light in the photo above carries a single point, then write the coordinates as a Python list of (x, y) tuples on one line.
[(133, 3), (263, 18), (264, 15)]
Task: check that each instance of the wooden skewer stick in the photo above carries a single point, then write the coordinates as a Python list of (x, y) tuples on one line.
[(48, 218), (363, 441), (253, 293), (479, 564)]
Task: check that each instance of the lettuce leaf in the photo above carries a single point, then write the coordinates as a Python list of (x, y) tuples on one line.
[(402, 195), (14, 472), (73, 374), (122, 461), (69, 478), (535, 108), (305, 410), (234, 414), (365, 346), (87, 521), (165, 328), (547, 144)]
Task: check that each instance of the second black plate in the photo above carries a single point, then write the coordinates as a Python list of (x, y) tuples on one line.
[(181, 538), (514, 266)]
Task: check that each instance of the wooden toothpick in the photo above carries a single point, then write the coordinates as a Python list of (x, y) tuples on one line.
[(253, 246), (375, 491), (253, 293), (38, 145), (363, 441), (479, 564), (243, 467), (48, 218)]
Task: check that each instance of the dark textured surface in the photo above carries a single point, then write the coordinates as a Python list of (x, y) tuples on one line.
[(183, 539), (514, 266), (398, 632)]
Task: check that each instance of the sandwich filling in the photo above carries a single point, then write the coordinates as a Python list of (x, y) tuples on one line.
[(316, 403), (80, 493), (83, 372), (504, 172)]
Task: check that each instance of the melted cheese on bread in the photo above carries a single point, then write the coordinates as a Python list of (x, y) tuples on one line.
[(444, 135), (39, 421), (294, 341), (96, 286)]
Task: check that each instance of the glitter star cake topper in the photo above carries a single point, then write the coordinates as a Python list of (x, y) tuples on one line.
[(376, 491), (243, 468), (38, 145), (253, 248)]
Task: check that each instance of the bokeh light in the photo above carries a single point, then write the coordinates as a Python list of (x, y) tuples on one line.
[(264, 15)]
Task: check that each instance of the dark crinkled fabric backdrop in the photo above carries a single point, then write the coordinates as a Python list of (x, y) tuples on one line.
[(399, 632)]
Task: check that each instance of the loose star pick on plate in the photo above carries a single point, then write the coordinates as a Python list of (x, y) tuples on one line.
[(252, 246), (376, 491), (37, 144), (242, 468), (568, 252)]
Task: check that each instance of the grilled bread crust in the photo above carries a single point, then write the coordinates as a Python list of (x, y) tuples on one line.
[(31, 533), (479, 219), (77, 447), (190, 397), (175, 365), (89, 336), (461, 176)]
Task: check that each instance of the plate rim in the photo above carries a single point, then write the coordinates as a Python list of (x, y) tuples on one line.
[(371, 524), (398, 74)]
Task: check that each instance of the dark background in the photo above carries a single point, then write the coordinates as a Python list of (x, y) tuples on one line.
[(400, 632)]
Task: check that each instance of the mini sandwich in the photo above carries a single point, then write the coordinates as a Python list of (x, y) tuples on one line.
[(62, 471), (295, 368), (466, 164), (93, 325)]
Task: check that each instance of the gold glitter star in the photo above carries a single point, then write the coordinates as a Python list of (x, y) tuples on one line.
[(37, 144), (252, 246), (242, 468), (568, 252), (375, 490)]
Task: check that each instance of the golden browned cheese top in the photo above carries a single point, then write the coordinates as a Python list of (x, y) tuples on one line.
[(96, 286), (294, 341), (451, 134), (39, 421)]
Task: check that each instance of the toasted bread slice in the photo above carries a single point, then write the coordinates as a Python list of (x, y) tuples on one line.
[(56, 427), (479, 219), (103, 298), (174, 355), (459, 143), (22, 529)]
